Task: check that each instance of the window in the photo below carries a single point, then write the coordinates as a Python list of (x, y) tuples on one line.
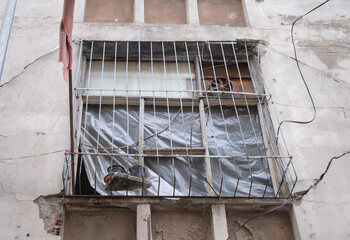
[(206, 12), (192, 113), (221, 12), (165, 11), (119, 11)]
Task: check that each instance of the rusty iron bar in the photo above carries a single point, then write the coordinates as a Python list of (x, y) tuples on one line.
[(71, 129)]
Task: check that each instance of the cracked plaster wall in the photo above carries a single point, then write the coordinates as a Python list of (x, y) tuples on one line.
[(275, 226), (33, 118), (34, 113)]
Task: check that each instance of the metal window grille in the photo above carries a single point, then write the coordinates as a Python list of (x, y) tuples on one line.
[(196, 115)]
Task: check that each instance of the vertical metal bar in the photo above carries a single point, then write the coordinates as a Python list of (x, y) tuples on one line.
[(139, 65), (87, 100), (222, 112), (72, 115), (208, 103), (113, 111), (88, 86), (87, 91), (237, 115), (99, 116), (155, 118), (182, 111), (283, 177), (141, 137), (275, 148), (267, 140), (236, 111), (250, 117), (251, 121), (192, 110), (141, 121), (76, 83), (127, 111), (239, 74), (266, 122), (234, 195), (204, 130), (169, 121), (5, 31), (66, 168), (71, 130)]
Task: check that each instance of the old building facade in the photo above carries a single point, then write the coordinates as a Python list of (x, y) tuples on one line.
[(195, 92)]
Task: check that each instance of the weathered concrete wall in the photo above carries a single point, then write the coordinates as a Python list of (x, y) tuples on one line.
[(165, 11), (34, 112), (108, 225), (109, 11), (33, 119), (181, 225), (221, 12), (274, 226)]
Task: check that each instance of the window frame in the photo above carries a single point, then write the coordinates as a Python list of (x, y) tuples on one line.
[(261, 105)]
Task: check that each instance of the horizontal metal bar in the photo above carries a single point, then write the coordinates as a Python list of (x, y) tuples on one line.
[(177, 91), (175, 155), (237, 42)]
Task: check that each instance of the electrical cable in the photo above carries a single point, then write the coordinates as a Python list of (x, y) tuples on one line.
[(290, 121), (261, 214), (301, 74), (30, 156)]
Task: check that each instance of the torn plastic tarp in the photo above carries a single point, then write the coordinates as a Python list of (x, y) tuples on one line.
[(104, 134)]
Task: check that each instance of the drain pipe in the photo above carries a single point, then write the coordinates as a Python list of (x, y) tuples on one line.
[(6, 30)]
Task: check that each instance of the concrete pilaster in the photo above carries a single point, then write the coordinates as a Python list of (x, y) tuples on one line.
[(143, 222), (139, 11), (219, 222), (192, 12)]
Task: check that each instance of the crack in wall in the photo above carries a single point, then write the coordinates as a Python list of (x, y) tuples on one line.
[(328, 74), (25, 68), (317, 181), (2, 187), (13, 194), (326, 203)]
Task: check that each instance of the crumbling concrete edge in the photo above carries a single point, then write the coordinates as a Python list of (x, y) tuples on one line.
[(51, 211)]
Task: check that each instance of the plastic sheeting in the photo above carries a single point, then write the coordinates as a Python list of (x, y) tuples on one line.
[(104, 133)]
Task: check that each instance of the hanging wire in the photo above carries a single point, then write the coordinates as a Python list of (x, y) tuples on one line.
[(259, 215), (290, 121), (301, 73)]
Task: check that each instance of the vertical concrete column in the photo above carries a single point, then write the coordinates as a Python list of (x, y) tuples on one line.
[(192, 12), (143, 222), (139, 11), (219, 222)]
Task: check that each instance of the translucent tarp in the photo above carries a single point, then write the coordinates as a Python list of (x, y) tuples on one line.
[(106, 130)]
